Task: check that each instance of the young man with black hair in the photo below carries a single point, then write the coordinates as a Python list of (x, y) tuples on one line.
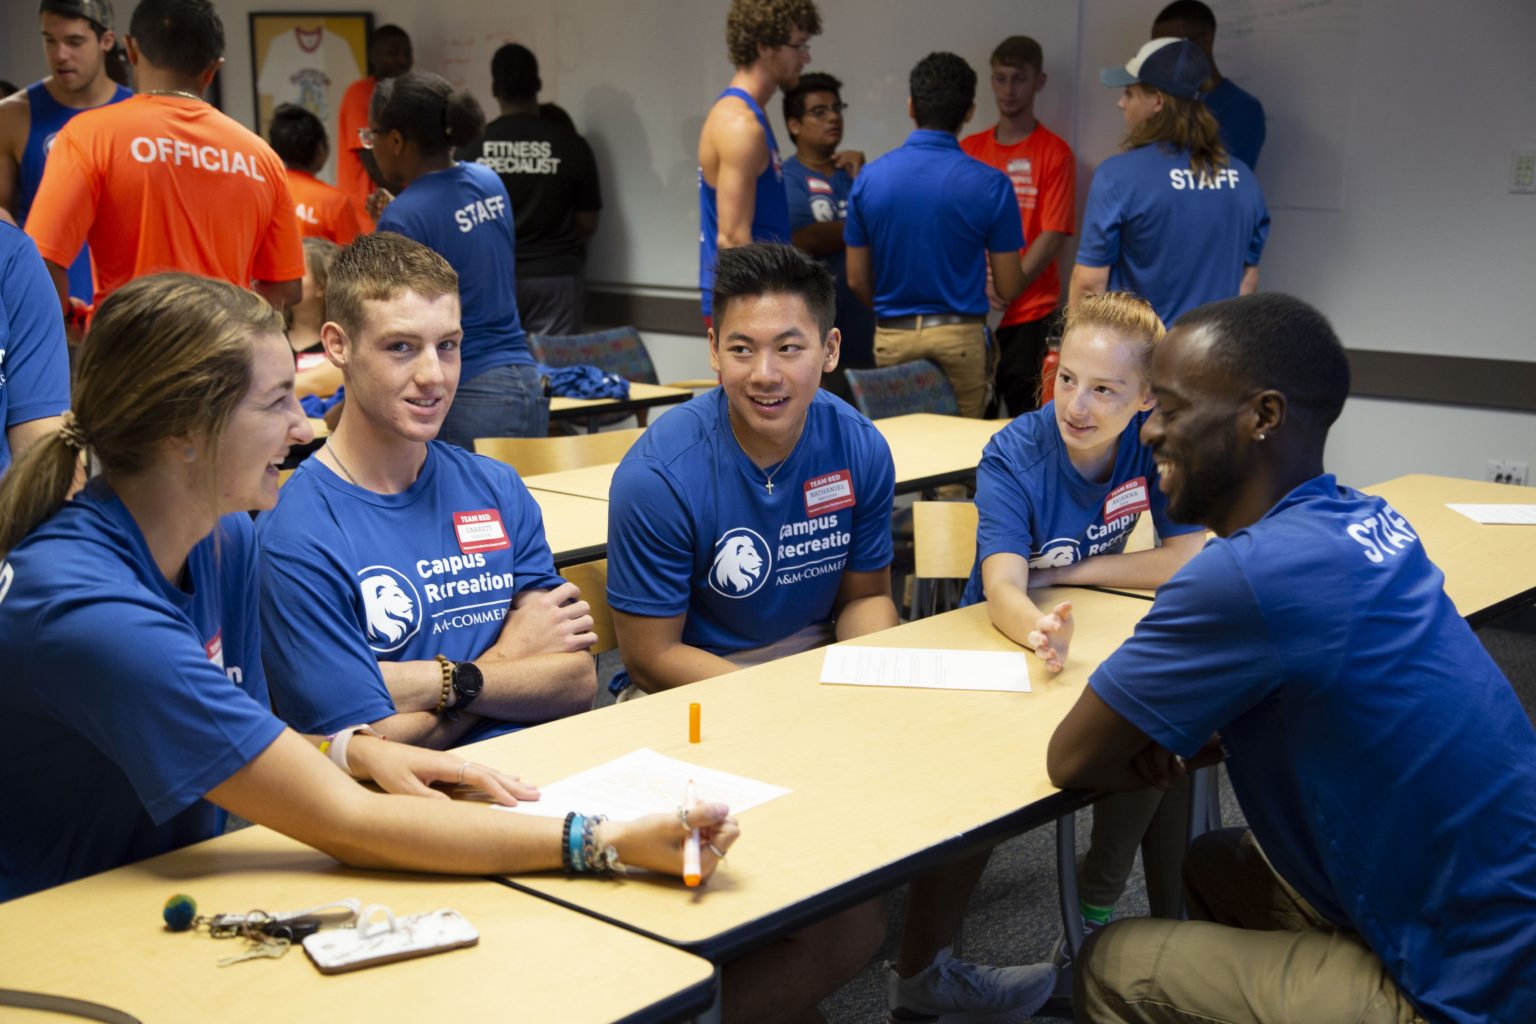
[(924, 223), (741, 181), (818, 181), (551, 176), (1044, 176), (1386, 769), (77, 39), (389, 56), (298, 138), (1238, 112), (163, 181)]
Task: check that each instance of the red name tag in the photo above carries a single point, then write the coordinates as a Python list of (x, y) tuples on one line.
[(214, 648), (480, 530), (829, 493), (1129, 498), (819, 185)]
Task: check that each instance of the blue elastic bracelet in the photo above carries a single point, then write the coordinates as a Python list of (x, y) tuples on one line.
[(573, 845)]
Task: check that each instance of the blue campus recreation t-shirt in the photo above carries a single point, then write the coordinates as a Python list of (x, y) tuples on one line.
[(931, 214), (1381, 759), (125, 698), (818, 199), (1175, 239), (692, 528), (463, 213), (770, 210), (34, 359), (1240, 116), (1032, 502), (351, 578)]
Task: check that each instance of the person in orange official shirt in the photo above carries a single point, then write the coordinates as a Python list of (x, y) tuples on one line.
[(299, 140), (163, 181), (389, 55)]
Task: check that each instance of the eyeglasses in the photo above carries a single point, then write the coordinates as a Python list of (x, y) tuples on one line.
[(365, 137), (804, 49), (821, 110)]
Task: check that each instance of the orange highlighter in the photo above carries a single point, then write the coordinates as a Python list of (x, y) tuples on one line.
[(692, 875)]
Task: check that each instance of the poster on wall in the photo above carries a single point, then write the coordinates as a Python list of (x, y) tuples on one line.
[(307, 59)]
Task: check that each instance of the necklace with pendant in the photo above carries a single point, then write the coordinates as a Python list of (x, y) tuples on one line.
[(767, 476)]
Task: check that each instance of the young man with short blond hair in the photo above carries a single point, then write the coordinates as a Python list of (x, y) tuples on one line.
[(406, 582)]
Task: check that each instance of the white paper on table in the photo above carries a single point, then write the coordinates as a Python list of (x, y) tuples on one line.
[(645, 782), (1515, 515), (928, 668)]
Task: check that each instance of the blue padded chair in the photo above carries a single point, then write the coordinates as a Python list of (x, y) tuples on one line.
[(918, 386), (618, 350)]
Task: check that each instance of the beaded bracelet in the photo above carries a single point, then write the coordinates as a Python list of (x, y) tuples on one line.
[(565, 843), (446, 667)]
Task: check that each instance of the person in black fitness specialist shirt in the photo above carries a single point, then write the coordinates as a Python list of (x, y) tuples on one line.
[(551, 176)]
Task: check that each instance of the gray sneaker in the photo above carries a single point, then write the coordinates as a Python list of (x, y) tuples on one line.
[(959, 992), (1061, 959)]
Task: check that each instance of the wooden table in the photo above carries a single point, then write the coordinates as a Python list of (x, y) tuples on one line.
[(1489, 570), (930, 450), (576, 528), (886, 782), (641, 396), (590, 482), (101, 939)]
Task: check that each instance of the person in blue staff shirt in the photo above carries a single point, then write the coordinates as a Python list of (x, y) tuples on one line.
[(1386, 769), (462, 211), (1174, 218), (405, 582)]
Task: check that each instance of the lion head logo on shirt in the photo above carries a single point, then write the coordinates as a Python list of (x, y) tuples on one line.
[(741, 563), (391, 608), (1055, 553)]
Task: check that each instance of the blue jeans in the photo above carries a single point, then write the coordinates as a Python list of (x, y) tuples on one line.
[(506, 401)]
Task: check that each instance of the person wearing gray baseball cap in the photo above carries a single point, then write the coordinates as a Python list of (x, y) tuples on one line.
[(77, 42), (1174, 218)]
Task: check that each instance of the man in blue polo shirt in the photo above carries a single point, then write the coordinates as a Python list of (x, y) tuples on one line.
[(818, 181), (34, 363), (925, 222), (1385, 766), (1237, 111)]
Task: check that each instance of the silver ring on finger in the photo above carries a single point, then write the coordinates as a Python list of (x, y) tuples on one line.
[(715, 850), (682, 818), (462, 769)]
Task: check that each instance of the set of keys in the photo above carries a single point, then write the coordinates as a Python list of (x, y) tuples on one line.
[(267, 936)]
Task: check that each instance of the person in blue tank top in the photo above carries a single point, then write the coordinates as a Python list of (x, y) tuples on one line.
[(394, 564), (1174, 218), (133, 707), (462, 211), (1384, 765), (741, 180), (77, 38), (1058, 492)]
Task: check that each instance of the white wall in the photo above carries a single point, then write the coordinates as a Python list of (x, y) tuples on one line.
[(1427, 253)]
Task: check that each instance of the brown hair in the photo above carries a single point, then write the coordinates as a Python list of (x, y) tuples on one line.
[(378, 267), (167, 356), (1019, 52), (754, 23), (1181, 125), (319, 254), (1120, 312)]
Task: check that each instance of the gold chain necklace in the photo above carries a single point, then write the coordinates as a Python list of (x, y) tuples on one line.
[(767, 476), (173, 92)]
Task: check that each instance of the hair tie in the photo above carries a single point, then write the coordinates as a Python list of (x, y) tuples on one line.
[(70, 432)]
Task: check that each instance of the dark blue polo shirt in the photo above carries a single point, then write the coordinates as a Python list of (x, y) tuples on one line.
[(930, 213)]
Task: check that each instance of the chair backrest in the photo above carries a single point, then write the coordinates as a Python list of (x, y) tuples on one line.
[(619, 351), (533, 455), (592, 578), (943, 539), (918, 386)]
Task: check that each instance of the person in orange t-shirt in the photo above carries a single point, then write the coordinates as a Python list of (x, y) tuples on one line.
[(389, 56), (299, 140), (1044, 175), (163, 181)]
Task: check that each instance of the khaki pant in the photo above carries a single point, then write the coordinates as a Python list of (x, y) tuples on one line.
[(1158, 823), (1256, 953), (960, 350)]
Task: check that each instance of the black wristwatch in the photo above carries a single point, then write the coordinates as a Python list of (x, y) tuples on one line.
[(467, 684)]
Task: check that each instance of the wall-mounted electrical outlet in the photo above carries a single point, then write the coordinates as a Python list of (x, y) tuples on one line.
[(1502, 472), (1522, 171)]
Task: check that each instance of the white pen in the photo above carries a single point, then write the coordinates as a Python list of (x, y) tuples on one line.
[(692, 875)]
